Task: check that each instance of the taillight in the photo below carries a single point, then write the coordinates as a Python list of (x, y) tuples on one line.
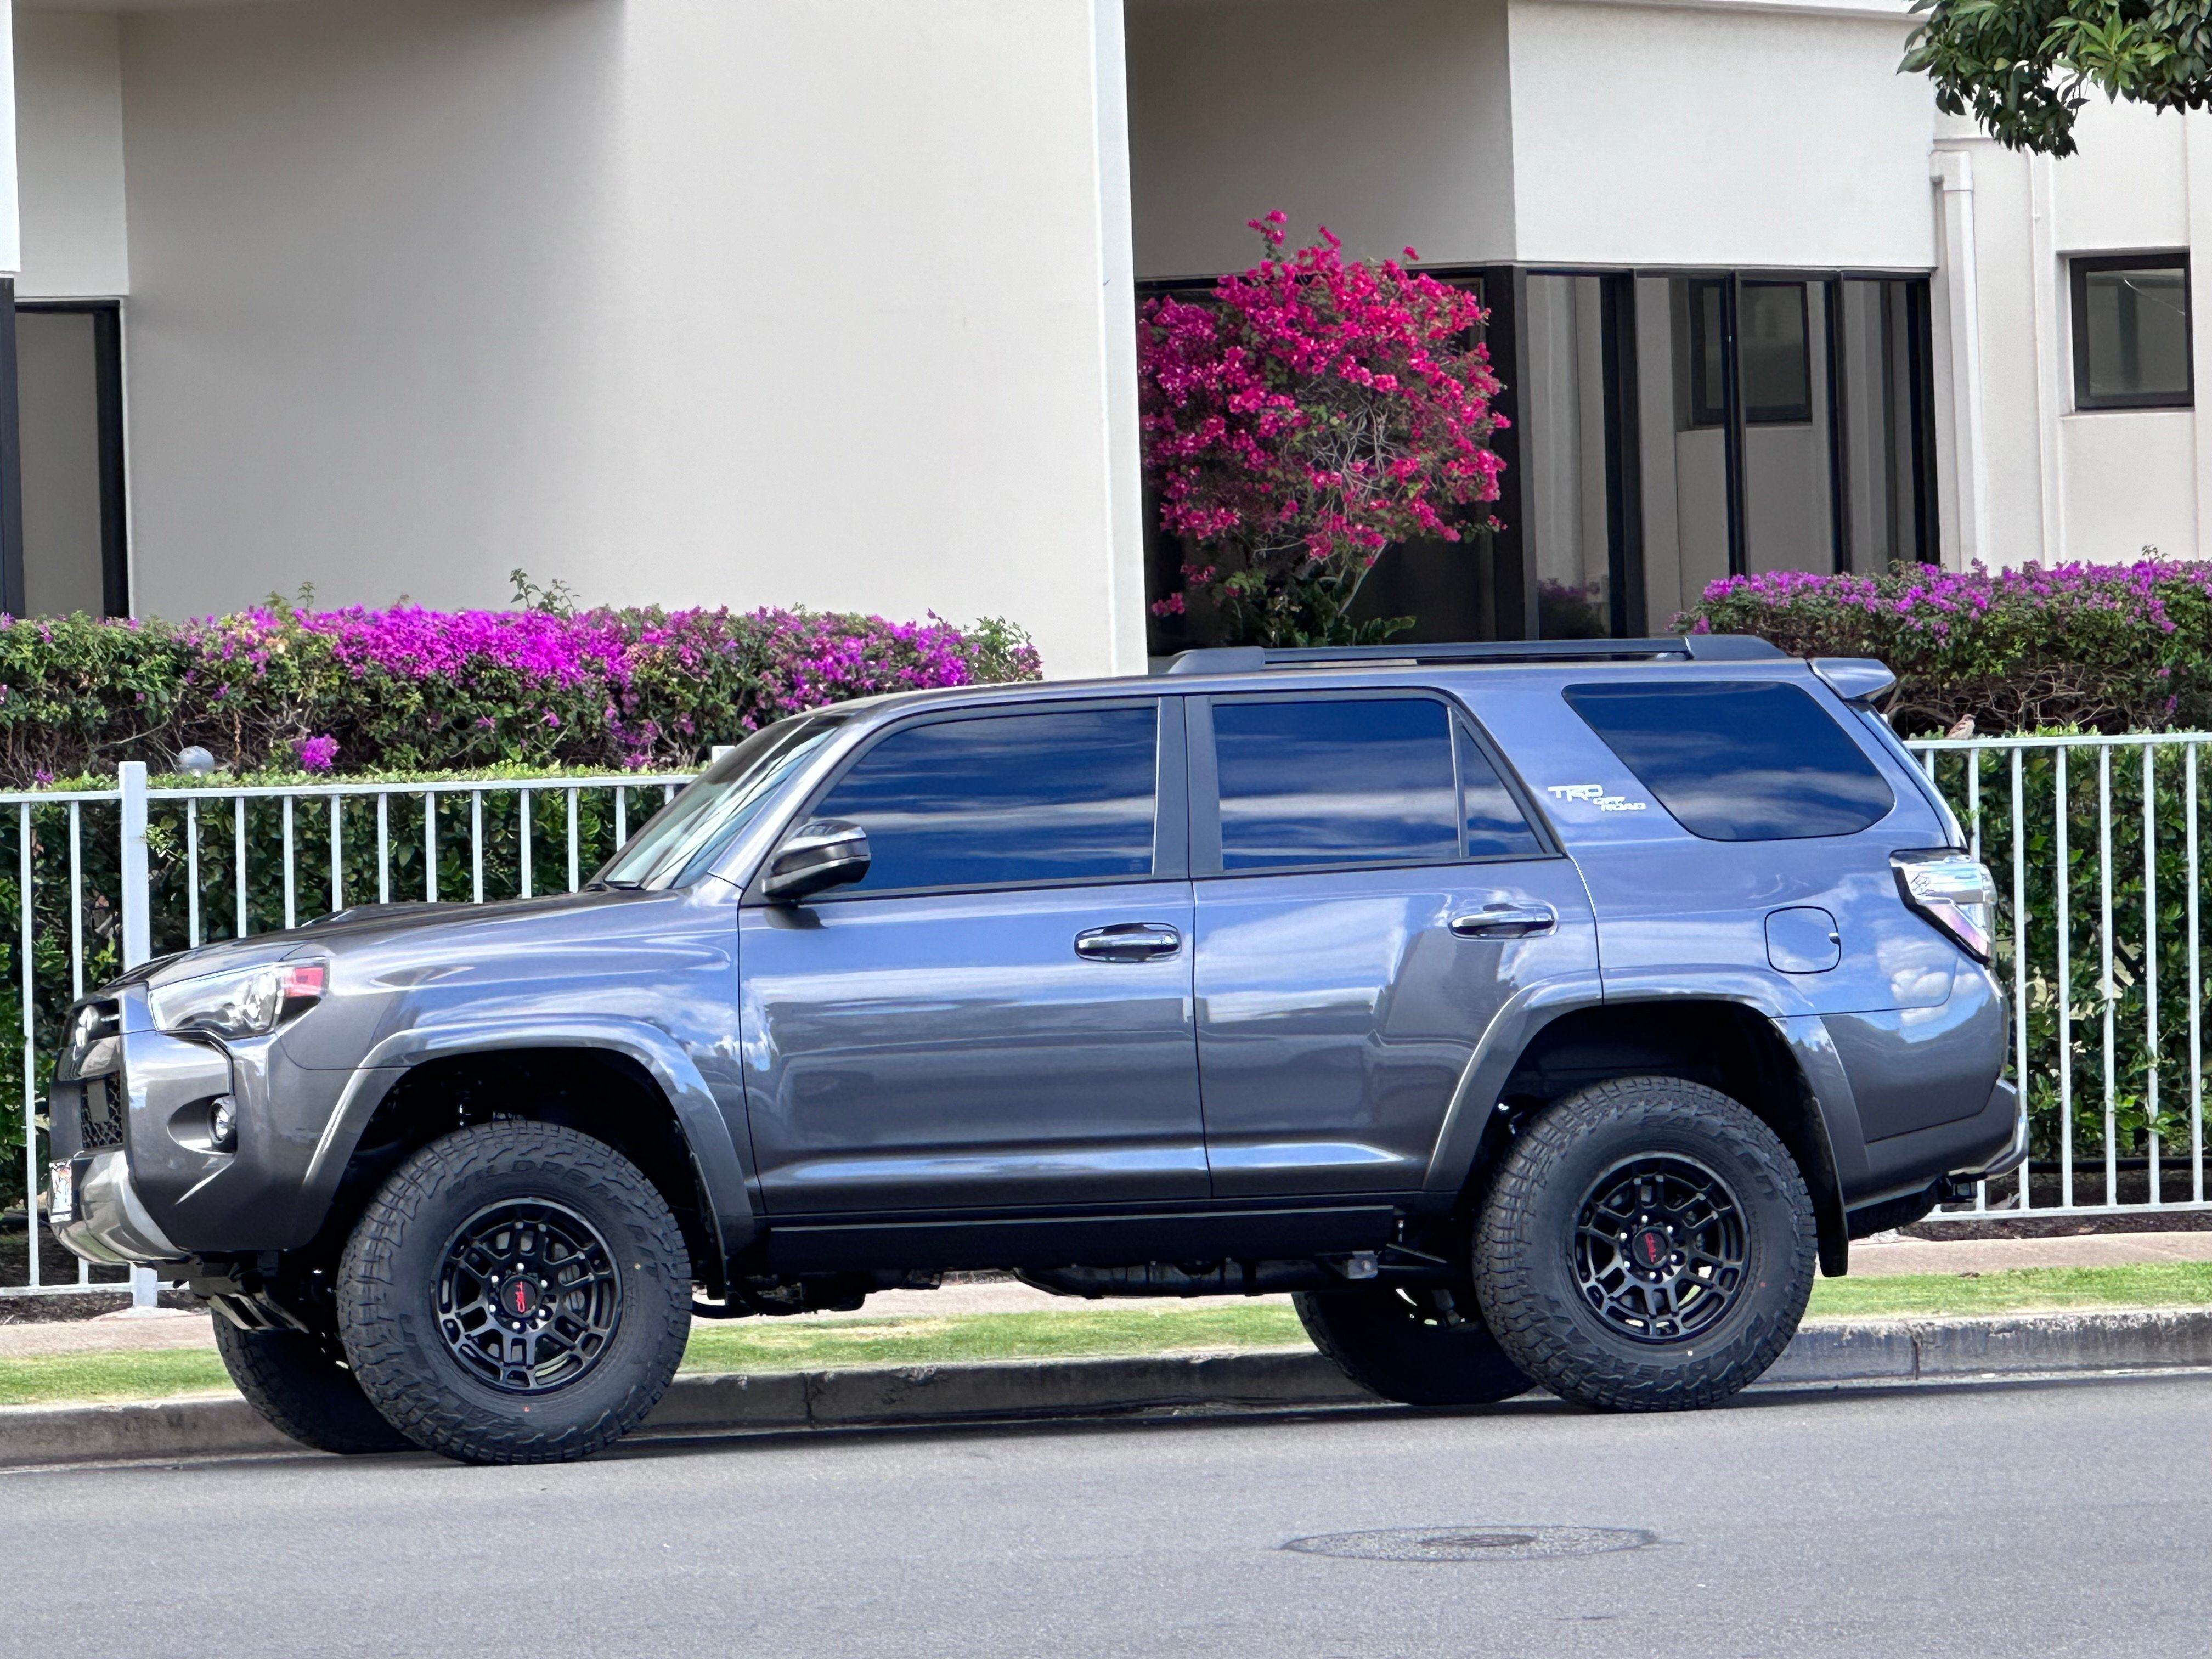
[(1954, 892)]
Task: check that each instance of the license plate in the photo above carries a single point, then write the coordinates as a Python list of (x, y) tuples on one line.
[(62, 1204)]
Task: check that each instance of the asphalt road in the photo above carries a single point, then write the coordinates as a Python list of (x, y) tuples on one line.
[(2043, 1520)]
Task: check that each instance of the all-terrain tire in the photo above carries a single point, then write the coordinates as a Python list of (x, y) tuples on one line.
[(1422, 1347), (304, 1389), (1572, 1328), (402, 1344)]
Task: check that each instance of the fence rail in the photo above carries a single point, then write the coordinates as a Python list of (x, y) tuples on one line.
[(2095, 842)]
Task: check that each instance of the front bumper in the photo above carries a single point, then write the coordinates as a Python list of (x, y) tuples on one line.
[(105, 1220)]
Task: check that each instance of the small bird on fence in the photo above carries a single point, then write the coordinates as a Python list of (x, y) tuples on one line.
[(1965, 728)]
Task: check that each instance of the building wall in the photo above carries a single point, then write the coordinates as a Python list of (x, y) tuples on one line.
[(2067, 483), (1720, 134), (69, 124), (687, 301), (1390, 121)]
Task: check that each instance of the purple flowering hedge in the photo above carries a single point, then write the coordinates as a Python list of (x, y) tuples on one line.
[(2120, 647), (276, 688)]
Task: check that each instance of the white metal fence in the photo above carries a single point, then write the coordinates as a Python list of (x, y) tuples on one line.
[(95, 881), (2093, 840)]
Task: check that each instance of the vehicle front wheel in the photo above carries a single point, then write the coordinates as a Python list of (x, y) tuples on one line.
[(1648, 1245), (1423, 1346), (302, 1386), (515, 1293)]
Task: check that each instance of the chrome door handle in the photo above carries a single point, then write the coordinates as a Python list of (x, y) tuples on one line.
[(1506, 922), (1128, 941)]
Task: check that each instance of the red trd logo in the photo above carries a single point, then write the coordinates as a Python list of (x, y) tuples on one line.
[(521, 1297)]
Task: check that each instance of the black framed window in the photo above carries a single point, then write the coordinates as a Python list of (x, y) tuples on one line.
[(1064, 795), (62, 537), (1773, 342), (2131, 332)]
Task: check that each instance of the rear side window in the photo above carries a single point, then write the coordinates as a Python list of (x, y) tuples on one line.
[(1060, 796), (1323, 781), (1738, 761)]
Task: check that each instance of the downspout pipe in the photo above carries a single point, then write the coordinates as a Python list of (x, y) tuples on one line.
[(1952, 173)]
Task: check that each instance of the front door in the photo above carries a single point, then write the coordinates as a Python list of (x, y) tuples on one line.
[(1000, 1014), (1370, 891)]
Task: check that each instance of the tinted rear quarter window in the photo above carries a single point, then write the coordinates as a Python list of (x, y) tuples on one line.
[(1060, 796), (1738, 760)]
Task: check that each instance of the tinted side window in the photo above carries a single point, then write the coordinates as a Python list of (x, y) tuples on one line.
[(1060, 796), (1738, 761), (1495, 828), (1335, 780)]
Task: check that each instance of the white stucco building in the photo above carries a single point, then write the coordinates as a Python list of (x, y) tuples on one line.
[(830, 301)]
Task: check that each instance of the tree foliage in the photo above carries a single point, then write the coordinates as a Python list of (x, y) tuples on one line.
[(2023, 69), (1300, 418)]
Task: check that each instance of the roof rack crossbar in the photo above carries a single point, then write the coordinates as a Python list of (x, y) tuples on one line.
[(1249, 659)]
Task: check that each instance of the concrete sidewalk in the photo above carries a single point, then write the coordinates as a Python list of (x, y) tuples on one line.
[(1883, 1258)]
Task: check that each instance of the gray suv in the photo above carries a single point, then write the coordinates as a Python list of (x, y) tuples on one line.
[(1537, 1014)]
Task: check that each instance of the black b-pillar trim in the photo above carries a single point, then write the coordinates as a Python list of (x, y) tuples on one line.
[(11, 461), (1505, 297)]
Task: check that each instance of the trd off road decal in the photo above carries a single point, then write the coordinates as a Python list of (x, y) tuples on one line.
[(1594, 794)]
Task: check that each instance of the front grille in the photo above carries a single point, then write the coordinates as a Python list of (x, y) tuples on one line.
[(101, 1112)]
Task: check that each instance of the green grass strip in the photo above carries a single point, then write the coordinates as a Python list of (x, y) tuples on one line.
[(2020, 1290), (1077, 1332)]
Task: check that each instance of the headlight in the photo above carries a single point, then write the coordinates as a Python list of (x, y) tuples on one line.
[(1952, 890), (244, 1002)]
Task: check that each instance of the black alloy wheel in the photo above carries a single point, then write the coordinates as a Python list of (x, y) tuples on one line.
[(1661, 1247), (515, 1292), (1647, 1244), (528, 1298)]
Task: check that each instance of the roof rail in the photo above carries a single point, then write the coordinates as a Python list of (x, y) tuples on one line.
[(1701, 647)]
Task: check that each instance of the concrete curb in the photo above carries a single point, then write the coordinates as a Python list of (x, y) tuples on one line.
[(1872, 1351)]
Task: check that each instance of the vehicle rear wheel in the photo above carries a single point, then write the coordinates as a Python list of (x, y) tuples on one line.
[(1648, 1245), (302, 1386), (1423, 1346), (515, 1293)]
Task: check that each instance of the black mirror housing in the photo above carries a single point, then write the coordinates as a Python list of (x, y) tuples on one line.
[(820, 854)]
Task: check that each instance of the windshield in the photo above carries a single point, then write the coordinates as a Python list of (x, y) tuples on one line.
[(682, 840)]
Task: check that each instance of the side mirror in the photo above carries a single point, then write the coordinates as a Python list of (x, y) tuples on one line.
[(821, 853)]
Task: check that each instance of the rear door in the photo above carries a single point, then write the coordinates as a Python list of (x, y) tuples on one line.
[(999, 1015), (1371, 888)]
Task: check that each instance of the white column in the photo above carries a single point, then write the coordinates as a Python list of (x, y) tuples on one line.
[(2053, 368), (11, 230), (2196, 132), (1951, 172), (1123, 504)]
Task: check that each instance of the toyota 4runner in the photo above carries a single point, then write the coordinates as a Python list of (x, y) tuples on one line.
[(1538, 1014)]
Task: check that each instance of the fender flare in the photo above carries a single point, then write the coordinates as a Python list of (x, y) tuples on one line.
[(719, 1158), (1519, 1021)]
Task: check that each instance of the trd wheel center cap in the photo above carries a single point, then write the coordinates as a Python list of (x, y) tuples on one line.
[(520, 1297), (1649, 1247)]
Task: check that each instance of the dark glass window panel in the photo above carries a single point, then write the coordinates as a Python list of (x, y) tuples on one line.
[(1777, 373), (2132, 335), (1708, 364), (1737, 761), (1335, 780), (1065, 796), (1495, 826)]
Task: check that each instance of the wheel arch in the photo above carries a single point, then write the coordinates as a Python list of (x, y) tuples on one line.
[(1721, 1043), (644, 1098)]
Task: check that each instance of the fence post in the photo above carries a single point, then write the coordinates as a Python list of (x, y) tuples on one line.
[(137, 941), (137, 927)]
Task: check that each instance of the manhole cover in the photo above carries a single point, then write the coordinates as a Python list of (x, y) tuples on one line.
[(1474, 1543)]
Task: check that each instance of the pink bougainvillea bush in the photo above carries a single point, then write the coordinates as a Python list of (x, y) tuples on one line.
[(333, 691), (1301, 417), (2109, 648)]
